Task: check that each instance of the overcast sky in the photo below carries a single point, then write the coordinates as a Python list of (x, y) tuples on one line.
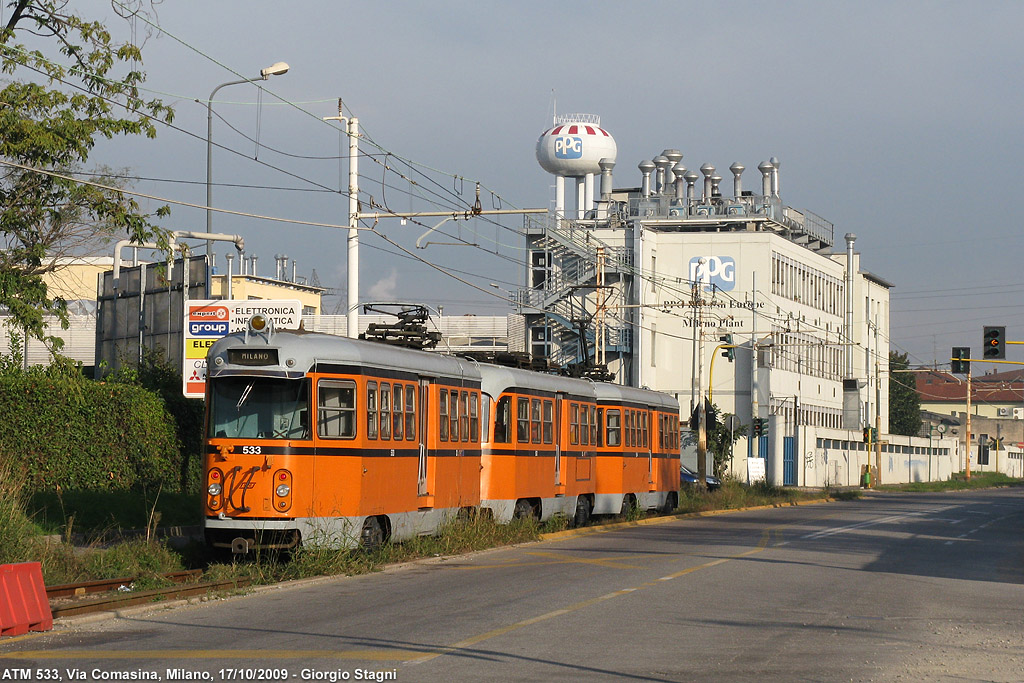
[(898, 121)]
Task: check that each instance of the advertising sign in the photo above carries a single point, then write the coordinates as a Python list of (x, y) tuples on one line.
[(207, 320), (714, 272)]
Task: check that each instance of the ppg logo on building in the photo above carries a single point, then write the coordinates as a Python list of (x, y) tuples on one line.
[(716, 272), (568, 148)]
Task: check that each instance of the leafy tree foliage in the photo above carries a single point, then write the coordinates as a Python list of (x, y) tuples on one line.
[(904, 401), (720, 440), (71, 86)]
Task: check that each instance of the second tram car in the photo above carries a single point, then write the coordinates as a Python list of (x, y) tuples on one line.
[(313, 438)]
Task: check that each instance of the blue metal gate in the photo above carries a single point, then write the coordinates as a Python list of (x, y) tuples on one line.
[(762, 447), (788, 461)]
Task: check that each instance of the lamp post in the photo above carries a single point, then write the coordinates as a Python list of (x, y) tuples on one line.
[(933, 428), (275, 69)]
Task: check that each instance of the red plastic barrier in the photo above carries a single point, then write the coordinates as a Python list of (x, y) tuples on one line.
[(23, 603)]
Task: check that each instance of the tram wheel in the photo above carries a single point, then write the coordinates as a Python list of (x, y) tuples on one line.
[(373, 534), (523, 509), (583, 508)]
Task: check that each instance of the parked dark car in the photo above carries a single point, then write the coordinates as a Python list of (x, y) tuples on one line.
[(688, 477)]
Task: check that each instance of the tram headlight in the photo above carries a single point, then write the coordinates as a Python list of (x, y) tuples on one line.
[(283, 490), (257, 323), (214, 489)]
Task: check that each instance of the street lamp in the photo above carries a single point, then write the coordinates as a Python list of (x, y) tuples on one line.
[(275, 69), (933, 429)]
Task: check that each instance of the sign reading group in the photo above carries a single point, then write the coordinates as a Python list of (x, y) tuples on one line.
[(207, 320)]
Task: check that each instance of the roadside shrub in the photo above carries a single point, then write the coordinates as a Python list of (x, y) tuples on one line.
[(62, 431)]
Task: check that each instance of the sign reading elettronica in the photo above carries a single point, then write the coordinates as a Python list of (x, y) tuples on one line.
[(207, 320)]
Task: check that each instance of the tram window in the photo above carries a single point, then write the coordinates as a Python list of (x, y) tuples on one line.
[(336, 409), (593, 425), (535, 421), (630, 428), (385, 410), (574, 423), (442, 411), (410, 412), (614, 428), (453, 432), (599, 426), (584, 426), (371, 410), (259, 408), (502, 420), (464, 415), (523, 420), (397, 413), (474, 417), (549, 422), (644, 419)]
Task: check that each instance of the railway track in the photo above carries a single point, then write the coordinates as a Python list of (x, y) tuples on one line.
[(70, 599)]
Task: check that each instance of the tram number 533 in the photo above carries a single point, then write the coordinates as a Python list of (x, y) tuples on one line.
[(251, 450)]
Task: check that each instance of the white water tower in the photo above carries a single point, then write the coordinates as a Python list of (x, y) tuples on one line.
[(573, 148)]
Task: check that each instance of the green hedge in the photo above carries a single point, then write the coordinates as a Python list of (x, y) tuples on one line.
[(64, 431)]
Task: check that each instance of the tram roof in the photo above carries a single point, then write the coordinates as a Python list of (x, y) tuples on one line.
[(616, 392), (310, 348)]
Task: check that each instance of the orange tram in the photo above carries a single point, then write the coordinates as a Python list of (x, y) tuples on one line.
[(314, 438)]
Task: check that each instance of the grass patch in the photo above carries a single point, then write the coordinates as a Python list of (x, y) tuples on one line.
[(732, 495), (66, 512), (456, 537), (957, 482)]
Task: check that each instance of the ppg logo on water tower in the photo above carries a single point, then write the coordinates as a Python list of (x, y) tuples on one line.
[(568, 147), (715, 272)]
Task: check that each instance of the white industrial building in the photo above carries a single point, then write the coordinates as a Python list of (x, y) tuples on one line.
[(658, 276)]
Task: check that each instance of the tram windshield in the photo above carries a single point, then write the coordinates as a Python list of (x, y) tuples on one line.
[(259, 408)]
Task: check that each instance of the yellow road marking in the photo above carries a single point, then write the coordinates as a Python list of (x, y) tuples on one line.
[(562, 558), (761, 546), (410, 656), (254, 655)]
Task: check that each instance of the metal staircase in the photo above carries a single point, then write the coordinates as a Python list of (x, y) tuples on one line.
[(560, 297)]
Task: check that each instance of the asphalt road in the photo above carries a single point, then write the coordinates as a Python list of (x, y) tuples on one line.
[(892, 587)]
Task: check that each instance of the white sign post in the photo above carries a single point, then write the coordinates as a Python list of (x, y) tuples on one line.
[(755, 470), (207, 320)]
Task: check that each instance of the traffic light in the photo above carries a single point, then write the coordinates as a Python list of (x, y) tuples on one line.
[(729, 351), (867, 435), (760, 426), (994, 342), (959, 360)]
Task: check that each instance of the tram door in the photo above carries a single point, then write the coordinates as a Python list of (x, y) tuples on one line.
[(649, 430), (424, 420), (559, 479)]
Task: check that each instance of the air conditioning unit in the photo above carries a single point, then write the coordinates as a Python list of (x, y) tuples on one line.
[(1018, 413), (1003, 412)]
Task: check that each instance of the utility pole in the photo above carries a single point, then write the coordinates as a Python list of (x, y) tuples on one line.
[(352, 129), (702, 427), (967, 449), (878, 422), (753, 448)]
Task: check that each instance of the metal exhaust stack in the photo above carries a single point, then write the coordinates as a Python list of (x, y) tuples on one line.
[(680, 172), (673, 156), (708, 170), (716, 180), (774, 161), (766, 170), (663, 164), (737, 183), (691, 181), (646, 167)]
